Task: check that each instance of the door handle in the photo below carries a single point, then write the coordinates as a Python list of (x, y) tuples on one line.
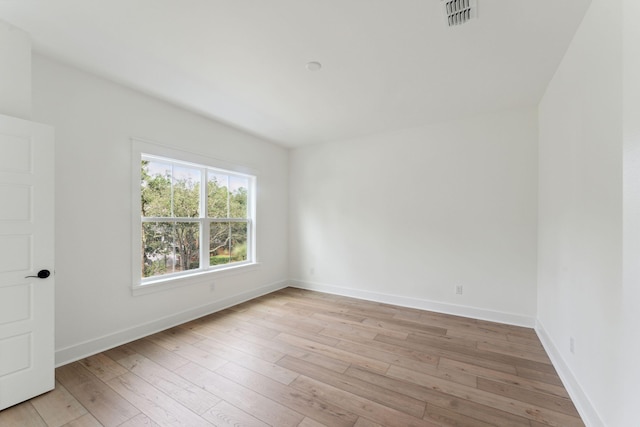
[(42, 274)]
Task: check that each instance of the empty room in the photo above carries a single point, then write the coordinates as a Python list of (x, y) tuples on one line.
[(319, 213)]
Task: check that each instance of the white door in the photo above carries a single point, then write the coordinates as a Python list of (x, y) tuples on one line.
[(26, 247)]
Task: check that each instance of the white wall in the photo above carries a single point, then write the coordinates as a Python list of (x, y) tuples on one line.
[(580, 218), (94, 121), (403, 217), (15, 72), (629, 350)]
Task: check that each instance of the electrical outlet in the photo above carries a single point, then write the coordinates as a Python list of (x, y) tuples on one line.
[(312, 271), (459, 289), (212, 286), (572, 345)]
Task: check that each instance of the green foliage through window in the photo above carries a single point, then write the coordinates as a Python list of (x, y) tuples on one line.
[(174, 226)]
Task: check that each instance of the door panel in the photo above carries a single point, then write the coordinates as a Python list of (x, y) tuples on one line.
[(15, 251), (26, 246), (19, 211), (15, 354), (20, 308)]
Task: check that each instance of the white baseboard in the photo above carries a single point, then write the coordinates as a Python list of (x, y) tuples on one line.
[(584, 406), (87, 348), (439, 307)]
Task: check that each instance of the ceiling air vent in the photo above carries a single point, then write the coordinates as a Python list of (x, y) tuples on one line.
[(459, 12)]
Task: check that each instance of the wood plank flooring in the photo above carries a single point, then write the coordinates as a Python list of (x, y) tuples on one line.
[(301, 358)]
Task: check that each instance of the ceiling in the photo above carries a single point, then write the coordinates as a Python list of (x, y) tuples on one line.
[(386, 64)]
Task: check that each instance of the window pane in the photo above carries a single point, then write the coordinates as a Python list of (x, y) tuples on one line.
[(169, 247), (155, 189), (159, 199), (238, 188), (228, 242), (218, 195), (219, 243), (238, 243), (187, 245), (157, 248), (186, 192)]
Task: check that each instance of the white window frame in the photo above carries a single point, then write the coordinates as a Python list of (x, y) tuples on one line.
[(205, 273)]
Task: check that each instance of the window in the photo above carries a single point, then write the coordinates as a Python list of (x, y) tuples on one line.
[(193, 219)]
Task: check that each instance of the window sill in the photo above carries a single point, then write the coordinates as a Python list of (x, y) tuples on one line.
[(191, 279)]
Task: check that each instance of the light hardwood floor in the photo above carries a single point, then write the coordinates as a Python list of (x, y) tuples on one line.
[(301, 358)]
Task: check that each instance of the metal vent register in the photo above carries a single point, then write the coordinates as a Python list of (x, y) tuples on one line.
[(459, 12)]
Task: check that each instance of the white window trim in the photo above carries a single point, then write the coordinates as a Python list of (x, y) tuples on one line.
[(142, 286)]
